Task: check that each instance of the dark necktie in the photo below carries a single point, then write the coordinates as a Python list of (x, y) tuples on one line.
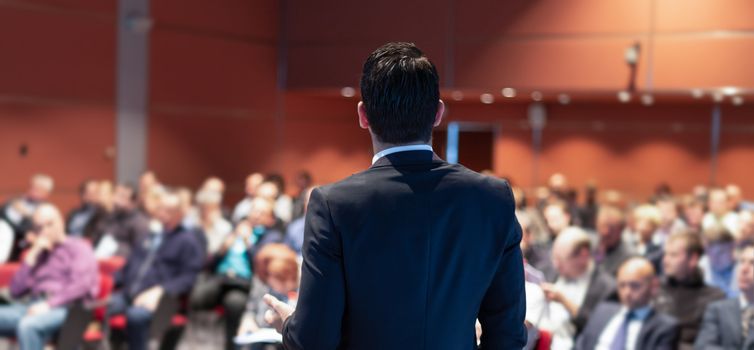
[(619, 342), (746, 317)]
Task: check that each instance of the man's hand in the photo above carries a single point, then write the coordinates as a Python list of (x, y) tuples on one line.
[(38, 308), (149, 298), (552, 293), (41, 244), (279, 313)]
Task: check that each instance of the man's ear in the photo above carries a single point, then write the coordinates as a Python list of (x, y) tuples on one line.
[(440, 112), (361, 110)]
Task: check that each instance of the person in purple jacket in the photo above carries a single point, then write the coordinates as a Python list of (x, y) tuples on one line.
[(56, 271)]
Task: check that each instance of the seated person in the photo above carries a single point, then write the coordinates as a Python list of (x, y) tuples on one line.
[(718, 265), (579, 287), (56, 271), (167, 262), (17, 212), (683, 293), (727, 324), (228, 280), (78, 218), (634, 323), (277, 275)]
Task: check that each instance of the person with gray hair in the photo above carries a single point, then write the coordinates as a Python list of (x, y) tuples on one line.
[(577, 290), (56, 271), (17, 212)]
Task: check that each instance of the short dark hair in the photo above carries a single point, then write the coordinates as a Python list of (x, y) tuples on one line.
[(693, 242), (400, 89)]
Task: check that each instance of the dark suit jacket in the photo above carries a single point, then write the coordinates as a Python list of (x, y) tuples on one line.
[(659, 331), (406, 255), (722, 329), (177, 262)]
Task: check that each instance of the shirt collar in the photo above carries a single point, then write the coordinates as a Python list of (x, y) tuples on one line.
[(639, 314), (397, 149), (744, 303)]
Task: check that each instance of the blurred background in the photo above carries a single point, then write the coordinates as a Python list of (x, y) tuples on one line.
[(189, 89)]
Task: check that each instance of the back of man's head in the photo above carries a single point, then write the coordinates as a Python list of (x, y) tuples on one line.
[(401, 92)]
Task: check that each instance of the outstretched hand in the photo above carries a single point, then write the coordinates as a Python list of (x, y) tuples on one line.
[(278, 313)]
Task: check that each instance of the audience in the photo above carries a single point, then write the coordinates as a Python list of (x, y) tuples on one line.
[(683, 293), (633, 323), (728, 324), (56, 271), (674, 256)]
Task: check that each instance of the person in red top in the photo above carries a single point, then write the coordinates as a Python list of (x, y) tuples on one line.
[(56, 271)]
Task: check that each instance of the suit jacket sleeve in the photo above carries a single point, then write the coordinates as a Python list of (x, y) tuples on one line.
[(668, 338), (316, 323), (503, 307), (709, 333)]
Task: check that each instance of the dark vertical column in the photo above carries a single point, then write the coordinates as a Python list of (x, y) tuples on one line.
[(132, 84)]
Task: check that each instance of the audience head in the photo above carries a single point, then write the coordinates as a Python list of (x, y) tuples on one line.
[(170, 209), (105, 195), (89, 192), (637, 283), (735, 196), (150, 201), (557, 216), (269, 191), (682, 253), (720, 246), (668, 208), (572, 252), (252, 183), (214, 183), (693, 211), (610, 225), (278, 181), (262, 212), (745, 227), (647, 219), (124, 198), (718, 202), (400, 94), (745, 272), (40, 187), (303, 180), (558, 183), (526, 236), (208, 202), (186, 198), (146, 181), (47, 222), (275, 264)]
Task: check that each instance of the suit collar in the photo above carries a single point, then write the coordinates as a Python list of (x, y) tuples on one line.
[(407, 158)]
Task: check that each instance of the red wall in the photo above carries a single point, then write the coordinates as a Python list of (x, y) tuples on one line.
[(56, 93)]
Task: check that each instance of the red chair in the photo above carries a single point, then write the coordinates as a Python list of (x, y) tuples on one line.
[(111, 265), (545, 339), (106, 283), (7, 271)]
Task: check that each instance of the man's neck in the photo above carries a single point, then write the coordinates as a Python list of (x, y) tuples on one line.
[(379, 146)]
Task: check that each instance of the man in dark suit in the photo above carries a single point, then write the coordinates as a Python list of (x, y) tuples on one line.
[(632, 324), (727, 324), (409, 253)]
